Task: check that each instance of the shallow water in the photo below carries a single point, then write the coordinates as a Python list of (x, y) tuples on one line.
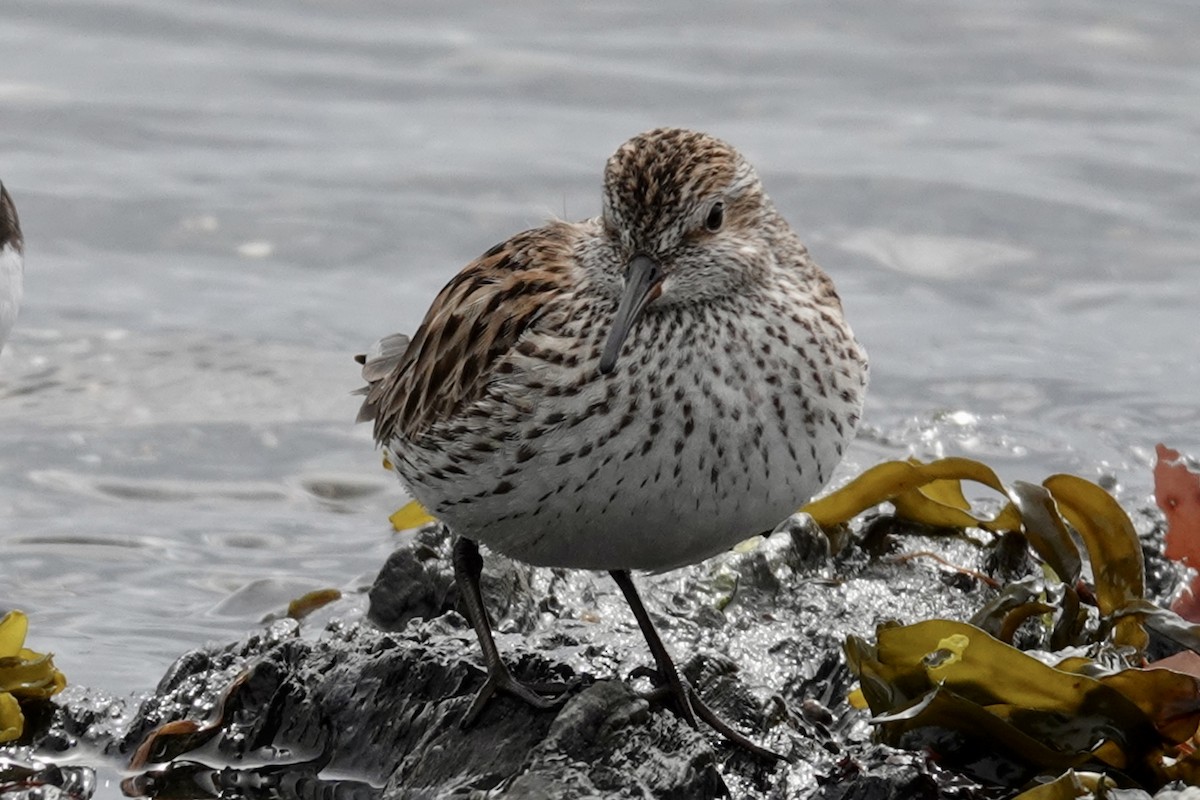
[(224, 202)]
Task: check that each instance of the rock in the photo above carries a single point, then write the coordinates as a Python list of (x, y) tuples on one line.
[(356, 711), (386, 708)]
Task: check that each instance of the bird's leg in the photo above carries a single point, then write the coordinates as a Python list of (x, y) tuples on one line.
[(680, 691), (468, 565), (687, 702)]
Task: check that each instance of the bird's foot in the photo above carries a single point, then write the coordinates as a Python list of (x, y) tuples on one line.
[(686, 702), (542, 696)]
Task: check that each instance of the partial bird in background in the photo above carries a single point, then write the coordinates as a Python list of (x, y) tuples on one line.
[(12, 264)]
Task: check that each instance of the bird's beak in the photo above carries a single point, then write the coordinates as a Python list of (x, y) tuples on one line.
[(643, 283)]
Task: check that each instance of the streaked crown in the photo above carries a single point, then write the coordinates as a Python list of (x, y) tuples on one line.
[(661, 184)]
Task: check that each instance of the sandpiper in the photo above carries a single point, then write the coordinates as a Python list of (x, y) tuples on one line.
[(12, 264), (636, 391)]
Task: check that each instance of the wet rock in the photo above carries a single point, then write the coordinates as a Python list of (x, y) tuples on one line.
[(886, 774), (811, 548), (597, 747), (35, 779), (1176, 793), (417, 582), (354, 711), (1009, 558), (386, 708), (409, 588)]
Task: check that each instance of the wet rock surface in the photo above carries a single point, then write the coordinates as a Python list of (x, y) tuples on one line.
[(365, 698)]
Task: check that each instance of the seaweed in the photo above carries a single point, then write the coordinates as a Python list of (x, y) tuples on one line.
[(1082, 712), (25, 676), (409, 516)]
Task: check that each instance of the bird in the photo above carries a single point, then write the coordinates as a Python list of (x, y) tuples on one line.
[(12, 264), (637, 391)]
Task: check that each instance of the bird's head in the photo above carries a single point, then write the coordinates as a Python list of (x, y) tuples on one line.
[(687, 215)]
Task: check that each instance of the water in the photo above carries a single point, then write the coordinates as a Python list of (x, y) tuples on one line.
[(223, 202)]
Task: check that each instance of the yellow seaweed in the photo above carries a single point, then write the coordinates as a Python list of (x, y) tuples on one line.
[(954, 675), (13, 628), (411, 515), (304, 605), (1100, 709), (12, 721), (930, 494), (24, 675), (1113, 548), (1045, 530)]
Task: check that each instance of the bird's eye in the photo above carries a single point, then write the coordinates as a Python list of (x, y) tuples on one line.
[(716, 217)]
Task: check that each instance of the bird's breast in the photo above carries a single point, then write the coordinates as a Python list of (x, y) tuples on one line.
[(709, 430)]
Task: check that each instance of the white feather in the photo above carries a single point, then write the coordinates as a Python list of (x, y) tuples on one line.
[(12, 277)]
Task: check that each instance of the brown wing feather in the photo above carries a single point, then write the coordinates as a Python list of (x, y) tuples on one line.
[(473, 323)]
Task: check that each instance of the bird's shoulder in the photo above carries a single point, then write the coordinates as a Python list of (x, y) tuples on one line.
[(472, 324)]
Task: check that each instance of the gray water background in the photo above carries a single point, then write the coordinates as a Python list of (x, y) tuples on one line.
[(224, 201)]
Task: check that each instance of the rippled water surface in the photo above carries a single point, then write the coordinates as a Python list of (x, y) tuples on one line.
[(224, 201)]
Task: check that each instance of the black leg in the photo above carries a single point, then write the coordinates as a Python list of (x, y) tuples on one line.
[(687, 703), (667, 673), (468, 565)]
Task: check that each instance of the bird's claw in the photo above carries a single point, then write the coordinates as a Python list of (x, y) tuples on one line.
[(688, 705), (542, 695)]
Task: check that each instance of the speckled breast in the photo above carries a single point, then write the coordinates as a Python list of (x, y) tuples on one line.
[(710, 430)]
